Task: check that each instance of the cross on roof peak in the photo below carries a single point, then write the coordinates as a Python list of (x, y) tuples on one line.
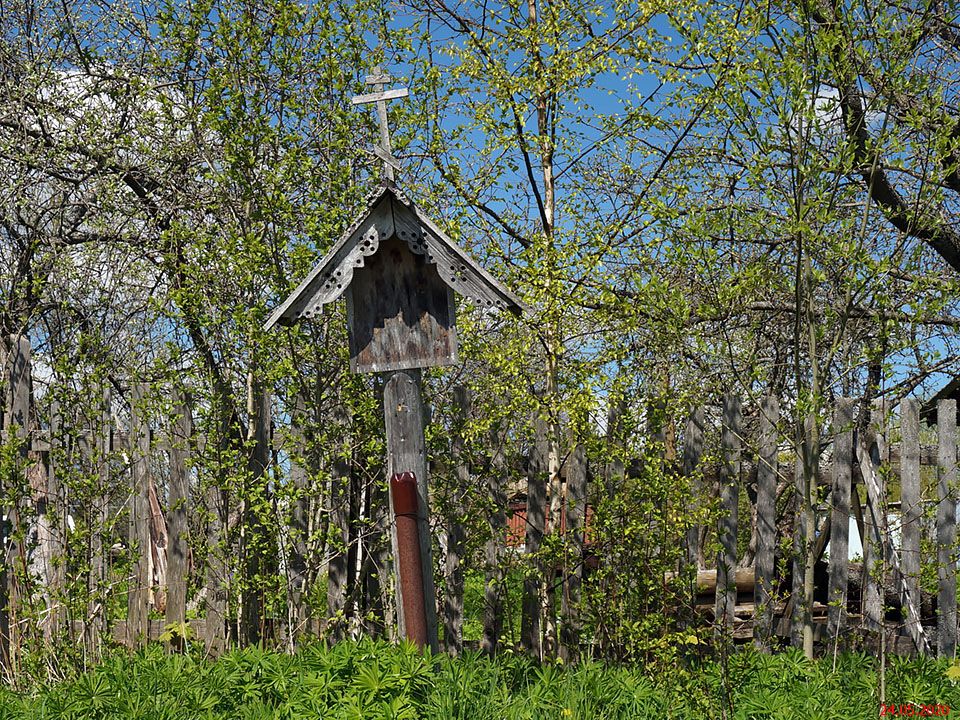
[(377, 79)]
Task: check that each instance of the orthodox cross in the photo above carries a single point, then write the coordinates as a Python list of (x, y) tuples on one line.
[(380, 96)]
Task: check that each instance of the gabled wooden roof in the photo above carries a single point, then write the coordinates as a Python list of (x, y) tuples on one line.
[(390, 213)]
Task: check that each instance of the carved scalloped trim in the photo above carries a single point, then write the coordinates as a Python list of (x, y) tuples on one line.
[(458, 274), (336, 281)]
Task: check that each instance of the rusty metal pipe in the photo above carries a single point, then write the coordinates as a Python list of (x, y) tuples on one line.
[(403, 489)]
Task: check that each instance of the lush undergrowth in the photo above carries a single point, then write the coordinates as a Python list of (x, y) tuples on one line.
[(376, 681)]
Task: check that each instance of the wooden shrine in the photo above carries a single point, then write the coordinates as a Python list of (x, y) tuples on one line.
[(400, 274)]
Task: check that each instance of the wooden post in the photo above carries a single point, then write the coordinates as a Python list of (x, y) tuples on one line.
[(178, 503), (456, 537), (840, 517), (16, 422), (256, 560), (339, 504), (377, 561), (798, 554), (692, 452), (406, 452), (870, 468), (767, 468), (95, 450), (299, 614), (726, 599), (910, 500), (138, 592), (216, 575), (53, 515), (947, 528), (873, 548), (538, 479), (576, 506)]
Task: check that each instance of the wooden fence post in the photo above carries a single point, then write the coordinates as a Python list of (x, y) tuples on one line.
[(573, 561), (339, 503), (179, 501), (692, 452), (95, 449), (52, 542), (456, 537), (497, 519), (254, 532), (873, 548), (947, 528), (840, 517), (910, 502), (216, 574), (16, 422), (767, 467), (537, 480), (298, 583), (726, 599), (138, 593)]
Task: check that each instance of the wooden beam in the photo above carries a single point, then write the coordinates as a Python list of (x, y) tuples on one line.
[(380, 96)]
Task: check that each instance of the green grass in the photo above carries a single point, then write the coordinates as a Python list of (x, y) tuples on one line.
[(376, 681)]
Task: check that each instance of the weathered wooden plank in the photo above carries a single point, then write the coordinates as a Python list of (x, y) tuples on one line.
[(871, 462), (406, 452), (692, 452), (380, 96), (576, 504), (910, 497), (767, 467), (873, 548), (179, 500), (138, 592), (456, 534), (947, 529), (840, 516), (731, 433), (400, 311)]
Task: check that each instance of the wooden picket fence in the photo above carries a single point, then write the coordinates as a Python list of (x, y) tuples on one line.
[(854, 454), (754, 601)]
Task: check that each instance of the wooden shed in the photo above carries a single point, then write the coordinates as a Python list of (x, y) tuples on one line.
[(399, 273)]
